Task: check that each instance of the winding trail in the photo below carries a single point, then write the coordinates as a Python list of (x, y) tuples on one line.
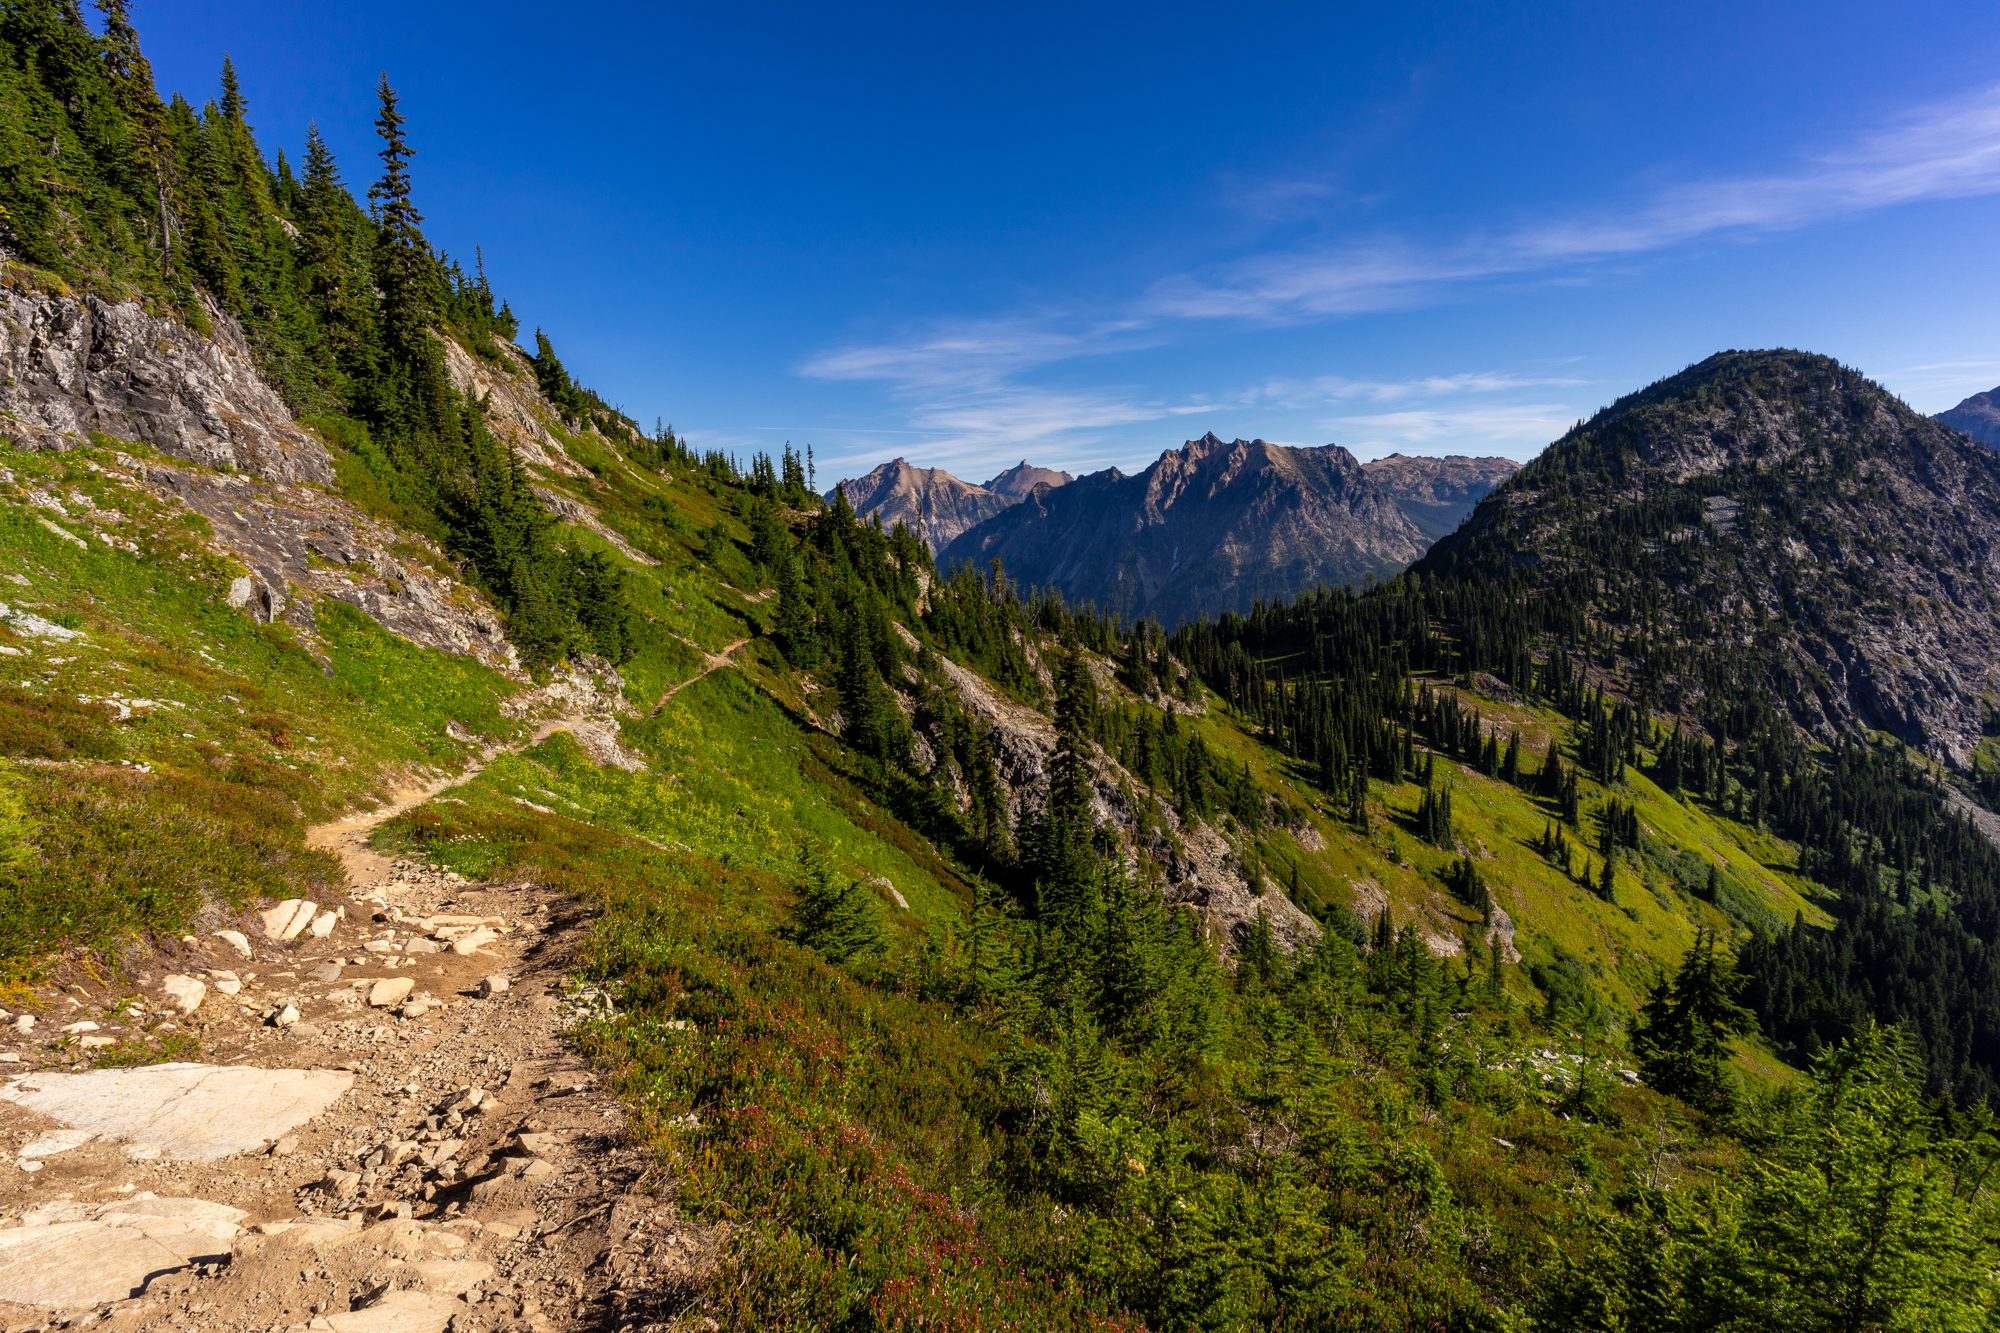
[(712, 662), (347, 835), (464, 1170)]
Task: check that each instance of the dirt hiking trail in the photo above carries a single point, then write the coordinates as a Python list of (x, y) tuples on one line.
[(387, 1130)]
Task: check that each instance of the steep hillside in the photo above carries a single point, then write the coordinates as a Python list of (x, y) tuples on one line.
[(1773, 528), (1017, 481), (1978, 417), (695, 908), (1437, 493), (1211, 526), (930, 502)]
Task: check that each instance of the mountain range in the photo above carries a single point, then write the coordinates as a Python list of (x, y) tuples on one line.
[(1209, 527), (933, 504)]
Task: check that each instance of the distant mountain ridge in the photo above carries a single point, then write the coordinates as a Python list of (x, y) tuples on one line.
[(1212, 526), (1268, 520), (1437, 493), (1978, 417), (933, 504), (1017, 481)]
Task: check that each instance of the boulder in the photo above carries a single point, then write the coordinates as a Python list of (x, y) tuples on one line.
[(190, 1112), (184, 993), (391, 991), (284, 922)]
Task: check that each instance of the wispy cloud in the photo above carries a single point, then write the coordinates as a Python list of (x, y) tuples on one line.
[(977, 386), (1947, 150), (1508, 428), (1942, 384), (1324, 389)]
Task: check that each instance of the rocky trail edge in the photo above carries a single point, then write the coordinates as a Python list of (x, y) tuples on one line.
[(388, 1130)]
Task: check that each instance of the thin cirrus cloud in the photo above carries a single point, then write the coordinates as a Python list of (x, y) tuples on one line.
[(1947, 150), (1506, 427), (971, 382)]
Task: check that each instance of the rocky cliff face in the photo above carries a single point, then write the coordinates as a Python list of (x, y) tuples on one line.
[(1437, 493), (514, 407), (1212, 526), (1784, 523), (934, 505), (71, 367), (1978, 416)]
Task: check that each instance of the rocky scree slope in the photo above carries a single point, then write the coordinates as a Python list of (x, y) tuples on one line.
[(1775, 523), (1211, 526), (1194, 862)]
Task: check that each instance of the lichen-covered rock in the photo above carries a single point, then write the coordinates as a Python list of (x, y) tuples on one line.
[(73, 366)]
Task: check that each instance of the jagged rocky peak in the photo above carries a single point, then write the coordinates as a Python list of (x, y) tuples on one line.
[(1211, 526), (1792, 526), (1978, 417), (932, 503), (1017, 482)]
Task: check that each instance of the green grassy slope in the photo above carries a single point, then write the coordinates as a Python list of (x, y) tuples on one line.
[(1355, 1140)]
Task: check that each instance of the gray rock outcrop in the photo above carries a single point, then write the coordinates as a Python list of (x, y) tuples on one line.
[(303, 545), (71, 367)]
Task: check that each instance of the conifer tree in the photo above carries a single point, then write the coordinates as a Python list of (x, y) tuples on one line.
[(403, 264), (1685, 1027), (798, 635), (834, 916)]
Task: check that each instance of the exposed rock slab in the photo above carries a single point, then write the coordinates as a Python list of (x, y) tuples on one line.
[(72, 366), (514, 406), (190, 1112), (304, 545), (71, 1256)]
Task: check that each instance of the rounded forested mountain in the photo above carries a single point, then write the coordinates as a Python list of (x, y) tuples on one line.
[(1767, 526)]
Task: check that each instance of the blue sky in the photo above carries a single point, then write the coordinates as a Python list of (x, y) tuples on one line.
[(1082, 234)]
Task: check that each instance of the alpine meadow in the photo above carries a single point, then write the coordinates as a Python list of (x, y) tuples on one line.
[(472, 861)]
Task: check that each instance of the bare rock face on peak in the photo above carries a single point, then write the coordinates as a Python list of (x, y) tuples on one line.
[(1212, 526), (1768, 529), (1978, 417), (1437, 493), (1020, 480), (73, 367), (934, 505)]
